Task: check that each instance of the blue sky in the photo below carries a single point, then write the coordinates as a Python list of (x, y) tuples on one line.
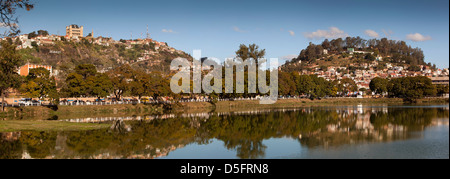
[(281, 27)]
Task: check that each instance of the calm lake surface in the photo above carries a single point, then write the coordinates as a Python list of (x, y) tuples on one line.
[(313, 132)]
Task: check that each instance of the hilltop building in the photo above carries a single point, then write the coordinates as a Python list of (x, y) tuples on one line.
[(74, 31)]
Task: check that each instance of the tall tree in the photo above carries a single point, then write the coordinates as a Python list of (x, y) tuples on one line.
[(99, 85), (9, 62), (379, 85), (121, 78), (250, 51), (39, 84), (86, 81)]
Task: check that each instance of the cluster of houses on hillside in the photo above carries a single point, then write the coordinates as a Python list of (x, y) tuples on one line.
[(74, 33), (363, 77)]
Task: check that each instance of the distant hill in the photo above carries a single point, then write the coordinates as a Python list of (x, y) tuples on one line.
[(351, 50), (63, 56)]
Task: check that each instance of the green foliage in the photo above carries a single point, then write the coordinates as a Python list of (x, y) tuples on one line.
[(379, 85), (370, 57), (311, 53), (121, 78), (42, 32), (398, 50), (286, 83), (32, 35), (86, 81), (442, 89), (411, 88), (345, 86), (250, 51), (310, 85), (414, 68), (9, 63), (39, 84), (244, 134)]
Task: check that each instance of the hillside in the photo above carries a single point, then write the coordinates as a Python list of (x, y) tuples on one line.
[(356, 52), (64, 56)]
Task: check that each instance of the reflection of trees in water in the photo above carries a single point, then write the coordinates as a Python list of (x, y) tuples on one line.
[(243, 133), (10, 149), (396, 124)]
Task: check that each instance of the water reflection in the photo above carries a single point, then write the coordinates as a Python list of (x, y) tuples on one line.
[(242, 132)]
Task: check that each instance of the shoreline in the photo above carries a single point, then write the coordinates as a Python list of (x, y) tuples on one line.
[(64, 112), (40, 118), (294, 103)]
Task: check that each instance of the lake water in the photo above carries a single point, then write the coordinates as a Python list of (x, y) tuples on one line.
[(314, 132)]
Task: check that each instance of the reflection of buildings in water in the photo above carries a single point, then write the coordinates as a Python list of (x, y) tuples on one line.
[(440, 122), (357, 126), (353, 125), (171, 116), (363, 122), (61, 150), (149, 153), (10, 136), (26, 155)]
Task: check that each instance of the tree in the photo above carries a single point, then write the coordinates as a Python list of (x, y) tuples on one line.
[(141, 84), (9, 63), (326, 44), (35, 45), (75, 85), (442, 89), (370, 57), (32, 35), (121, 78), (99, 85), (159, 86), (304, 84), (311, 53), (320, 88), (379, 85), (7, 15), (250, 51), (43, 32), (86, 70), (39, 84), (286, 83), (346, 86), (86, 81), (414, 68), (411, 88)]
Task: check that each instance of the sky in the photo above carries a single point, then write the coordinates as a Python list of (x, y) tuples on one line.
[(283, 27)]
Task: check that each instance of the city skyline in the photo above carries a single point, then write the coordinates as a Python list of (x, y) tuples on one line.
[(282, 28)]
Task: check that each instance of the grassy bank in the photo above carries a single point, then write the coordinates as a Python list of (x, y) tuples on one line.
[(68, 112), (226, 106), (24, 113), (33, 125), (36, 118)]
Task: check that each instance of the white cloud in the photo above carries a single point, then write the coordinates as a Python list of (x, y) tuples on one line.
[(371, 33), (237, 29), (292, 33), (168, 31), (332, 33), (417, 37)]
